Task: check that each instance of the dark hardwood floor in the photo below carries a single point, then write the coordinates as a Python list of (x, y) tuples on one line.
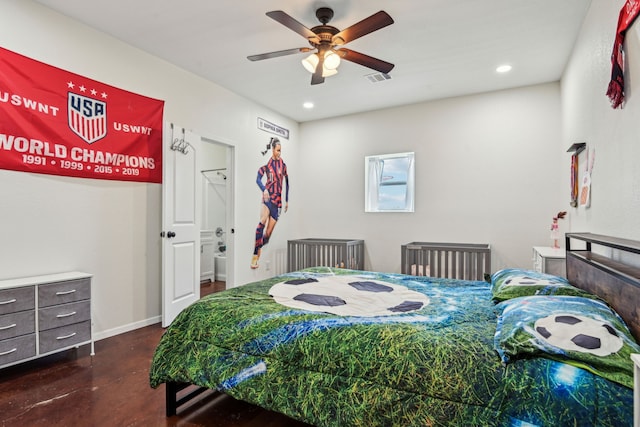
[(209, 287), (112, 388)]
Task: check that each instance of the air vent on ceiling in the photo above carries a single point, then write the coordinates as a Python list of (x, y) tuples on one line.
[(378, 77)]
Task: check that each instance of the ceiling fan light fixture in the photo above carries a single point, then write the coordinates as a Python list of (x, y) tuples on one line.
[(324, 38), (328, 73), (331, 60), (310, 62)]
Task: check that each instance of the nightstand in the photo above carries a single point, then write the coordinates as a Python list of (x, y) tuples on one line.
[(549, 260), (636, 389)]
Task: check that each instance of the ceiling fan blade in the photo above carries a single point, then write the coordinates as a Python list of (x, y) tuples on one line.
[(362, 28), (317, 77), (366, 60), (286, 20), (278, 53)]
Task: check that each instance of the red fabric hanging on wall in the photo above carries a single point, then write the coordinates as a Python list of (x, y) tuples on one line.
[(628, 14), (59, 123)]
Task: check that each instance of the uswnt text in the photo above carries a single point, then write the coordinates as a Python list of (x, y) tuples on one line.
[(30, 104)]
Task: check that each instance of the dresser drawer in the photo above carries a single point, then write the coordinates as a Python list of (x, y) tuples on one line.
[(65, 336), (17, 348), (549, 260), (63, 314), (63, 292), (17, 299), (555, 266), (16, 324), (41, 315)]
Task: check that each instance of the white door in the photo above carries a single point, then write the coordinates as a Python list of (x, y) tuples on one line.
[(180, 221), (230, 217)]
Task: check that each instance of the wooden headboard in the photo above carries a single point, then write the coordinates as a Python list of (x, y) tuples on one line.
[(614, 281)]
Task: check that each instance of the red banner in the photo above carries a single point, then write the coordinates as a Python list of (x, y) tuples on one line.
[(59, 123)]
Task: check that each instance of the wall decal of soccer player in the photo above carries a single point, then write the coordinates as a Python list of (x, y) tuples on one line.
[(275, 172)]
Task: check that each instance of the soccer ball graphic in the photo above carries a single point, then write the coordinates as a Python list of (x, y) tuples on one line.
[(579, 333), (529, 281), (348, 296)]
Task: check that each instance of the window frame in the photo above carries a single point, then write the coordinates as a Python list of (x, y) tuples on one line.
[(374, 168)]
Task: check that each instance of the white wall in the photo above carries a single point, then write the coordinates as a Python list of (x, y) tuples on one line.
[(488, 170), (111, 229), (614, 134)]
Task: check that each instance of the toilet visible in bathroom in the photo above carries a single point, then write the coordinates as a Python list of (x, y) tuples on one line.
[(220, 261), (220, 256)]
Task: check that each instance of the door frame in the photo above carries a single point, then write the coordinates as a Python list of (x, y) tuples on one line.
[(230, 205)]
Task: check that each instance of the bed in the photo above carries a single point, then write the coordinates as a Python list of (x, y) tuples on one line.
[(339, 347)]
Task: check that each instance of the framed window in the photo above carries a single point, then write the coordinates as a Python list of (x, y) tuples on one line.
[(389, 182)]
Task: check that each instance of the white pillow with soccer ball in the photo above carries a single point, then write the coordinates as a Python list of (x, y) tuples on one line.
[(515, 282), (579, 331)]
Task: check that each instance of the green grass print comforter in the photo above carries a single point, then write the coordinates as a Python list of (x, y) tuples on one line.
[(425, 359)]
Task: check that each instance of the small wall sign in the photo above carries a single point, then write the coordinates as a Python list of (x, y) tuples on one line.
[(272, 128)]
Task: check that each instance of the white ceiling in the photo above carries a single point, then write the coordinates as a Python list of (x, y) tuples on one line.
[(440, 48)]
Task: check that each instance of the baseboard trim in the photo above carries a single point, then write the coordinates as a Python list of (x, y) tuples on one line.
[(126, 328)]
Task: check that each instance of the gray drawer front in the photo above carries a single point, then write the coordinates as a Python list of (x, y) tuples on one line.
[(17, 349), (63, 292), (16, 324), (63, 314), (65, 336), (17, 299)]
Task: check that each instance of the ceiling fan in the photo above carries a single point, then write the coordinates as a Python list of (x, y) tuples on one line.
[(325, 38)]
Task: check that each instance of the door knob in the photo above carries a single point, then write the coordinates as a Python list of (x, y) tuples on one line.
[(171, 234)]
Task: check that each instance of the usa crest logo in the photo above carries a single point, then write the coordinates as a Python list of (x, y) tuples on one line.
[(87, 117)]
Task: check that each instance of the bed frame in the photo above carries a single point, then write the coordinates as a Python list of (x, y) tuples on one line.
[(604, 275), (602, 271), (464, 261), (179, 394)]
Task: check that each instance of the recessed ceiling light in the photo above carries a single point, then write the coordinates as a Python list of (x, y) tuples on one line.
[(308, 105), (504, 68)]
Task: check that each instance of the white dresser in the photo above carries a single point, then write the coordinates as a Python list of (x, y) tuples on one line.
[(549, 260), (41, 315)]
